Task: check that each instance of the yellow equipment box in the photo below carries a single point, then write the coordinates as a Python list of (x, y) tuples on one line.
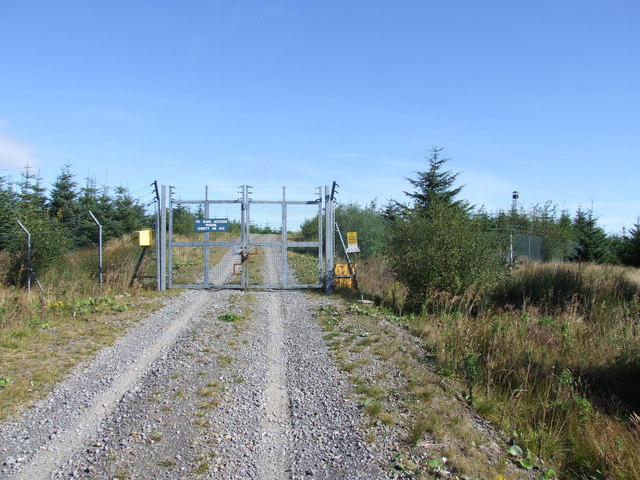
[(343, 269), (143, 237)]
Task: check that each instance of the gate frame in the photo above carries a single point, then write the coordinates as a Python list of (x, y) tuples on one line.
[(325, 242)]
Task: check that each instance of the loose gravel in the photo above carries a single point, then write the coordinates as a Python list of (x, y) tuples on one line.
[(188, 395)]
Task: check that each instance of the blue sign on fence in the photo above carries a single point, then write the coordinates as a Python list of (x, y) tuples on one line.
[(211, 225)]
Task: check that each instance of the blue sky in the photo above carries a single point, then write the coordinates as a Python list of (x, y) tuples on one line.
[(541, 97)]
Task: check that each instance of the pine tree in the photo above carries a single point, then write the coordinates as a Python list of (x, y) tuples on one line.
[(32, 198), (591, 240), (129, 215), (631, 246), (436, 186), (8, 212), (64, 205), (437, 246)]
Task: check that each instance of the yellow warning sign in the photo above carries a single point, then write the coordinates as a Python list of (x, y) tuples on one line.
[(352, 242)]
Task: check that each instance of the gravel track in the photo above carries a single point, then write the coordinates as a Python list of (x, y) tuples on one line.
[(185, 395)]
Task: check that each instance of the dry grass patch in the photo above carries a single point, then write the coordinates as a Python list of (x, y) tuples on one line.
[(401, 396), (39, 351)]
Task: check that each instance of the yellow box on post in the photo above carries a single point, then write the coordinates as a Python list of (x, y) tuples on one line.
[(143, 237), (342, 270)]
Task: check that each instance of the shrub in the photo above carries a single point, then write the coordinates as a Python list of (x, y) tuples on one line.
[(442, 249)]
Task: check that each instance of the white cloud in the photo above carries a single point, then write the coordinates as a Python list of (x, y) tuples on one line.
[(14, 154)]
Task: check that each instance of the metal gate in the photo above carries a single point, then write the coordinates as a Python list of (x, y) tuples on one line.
[(245, 242)]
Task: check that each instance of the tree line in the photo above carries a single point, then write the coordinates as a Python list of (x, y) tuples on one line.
[(438, 242), (59, 219)]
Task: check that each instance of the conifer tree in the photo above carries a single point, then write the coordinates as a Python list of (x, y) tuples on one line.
[(8, 212), (48, 238), (32, 194), (437, 246), (435, 185), (64, 206), (129, 215), (87, 231), (631, 246), (591, 240)]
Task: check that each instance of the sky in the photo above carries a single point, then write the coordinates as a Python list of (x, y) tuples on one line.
[(538, 97)]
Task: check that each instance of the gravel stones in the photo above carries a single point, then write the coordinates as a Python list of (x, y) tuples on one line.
[(185, 395)]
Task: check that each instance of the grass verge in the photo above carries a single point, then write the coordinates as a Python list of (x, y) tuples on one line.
[(406, 403), (46, 338), (552, 356)]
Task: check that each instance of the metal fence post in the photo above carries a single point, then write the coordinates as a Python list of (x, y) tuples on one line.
[(329, 240), (284, 267), (157, 233), (511, 248), (99, 249), (30, 272), (162, 238), (28, 255), (206, 238), (169, 259), (320, 237)]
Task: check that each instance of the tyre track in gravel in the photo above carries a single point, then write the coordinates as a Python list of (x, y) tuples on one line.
[(258, 398), (72, 418), (274, 459)]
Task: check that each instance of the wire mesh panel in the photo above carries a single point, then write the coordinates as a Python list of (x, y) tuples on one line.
[(205, 242), (304, 232), (245, 242), (265, 266), (527, 246), (285, 244)]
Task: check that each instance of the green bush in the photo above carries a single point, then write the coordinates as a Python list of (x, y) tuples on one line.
[(442, 249)]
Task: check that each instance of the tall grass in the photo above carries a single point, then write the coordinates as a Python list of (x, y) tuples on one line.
[(598, 292), (44, 334), (553, 358), (72, 277), (376, 280)]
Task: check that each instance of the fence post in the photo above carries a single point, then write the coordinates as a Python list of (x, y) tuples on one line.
[(206, 238), (157, 234), (30, 272), (320, 237), (511, 249), (162, 238), (99, 249), (28, 255), (329, 239)]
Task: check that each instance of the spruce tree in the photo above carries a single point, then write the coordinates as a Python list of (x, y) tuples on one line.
[(128, 214), (437, 246), (631, 246), (591, 244), (32, 198), (48, 238), (435, 185), (8, 213), (64, 205), (86, 230)]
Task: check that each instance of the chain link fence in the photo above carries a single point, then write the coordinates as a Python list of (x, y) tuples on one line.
[(43, 262), (370, 227), (526, 247), (246, 238)]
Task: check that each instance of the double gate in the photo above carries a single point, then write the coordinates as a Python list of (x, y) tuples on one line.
[(245, 242)]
